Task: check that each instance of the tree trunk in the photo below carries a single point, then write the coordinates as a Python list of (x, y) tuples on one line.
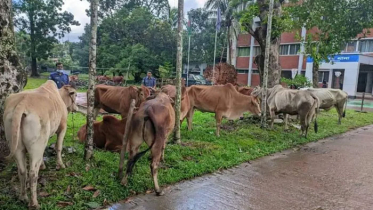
[(315, 74), (91, 83), (179, 60), (229, 56), (12, 76), (266, 76), (34, 69)]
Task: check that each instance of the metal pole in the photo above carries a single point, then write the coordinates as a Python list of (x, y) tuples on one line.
[(266, 66), (213, 68), (251, 57), (187, 76), (362, 102)]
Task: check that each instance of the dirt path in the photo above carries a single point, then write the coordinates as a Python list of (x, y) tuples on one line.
[(336, 173)]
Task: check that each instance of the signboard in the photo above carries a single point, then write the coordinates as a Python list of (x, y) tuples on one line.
[(340, 58)]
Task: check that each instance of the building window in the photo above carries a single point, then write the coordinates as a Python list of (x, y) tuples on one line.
[(284, 49), (243, 51), (366, 46), (351, 46), (286, 74), (255, 71), (240, 71), (289, 49), (324, 75), (256, 51)]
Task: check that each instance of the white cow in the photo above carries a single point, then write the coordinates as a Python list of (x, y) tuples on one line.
[(329, 98), (30, 119)]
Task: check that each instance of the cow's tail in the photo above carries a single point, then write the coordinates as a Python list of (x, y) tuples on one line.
[(18, 113), (315, 107), (131, 163), (344, 110)]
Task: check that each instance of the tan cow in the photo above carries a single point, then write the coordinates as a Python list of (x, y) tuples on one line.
[(291, 102), (185, 102), (152, 123), (30, 119), (108, 134), (223, 100), (245, 90), (329, 98), (117, 99)]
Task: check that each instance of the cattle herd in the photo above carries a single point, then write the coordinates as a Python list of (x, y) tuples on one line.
[(32, 117)]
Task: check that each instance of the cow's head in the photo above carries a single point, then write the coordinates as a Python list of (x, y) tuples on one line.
[(254, 106), (68, 95), (257, 91)]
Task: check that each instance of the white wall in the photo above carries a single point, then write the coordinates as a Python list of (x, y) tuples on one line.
[(351, 74)]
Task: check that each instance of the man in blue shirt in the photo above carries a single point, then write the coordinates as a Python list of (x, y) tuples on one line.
[(59, 77), (149, 81)]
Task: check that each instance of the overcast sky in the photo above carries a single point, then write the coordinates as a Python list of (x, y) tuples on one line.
[(77, 8)]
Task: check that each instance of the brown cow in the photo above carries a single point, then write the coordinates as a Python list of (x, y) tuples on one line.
[(152, 123), (223, 100), (118, 80), (108, 133), (185, 102), (117, 99), (73, 78)]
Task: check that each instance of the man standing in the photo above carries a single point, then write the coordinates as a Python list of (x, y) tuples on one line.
[(149, 81), (59, 77)]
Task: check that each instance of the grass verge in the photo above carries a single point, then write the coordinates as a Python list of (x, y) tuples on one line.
[(200, 153)]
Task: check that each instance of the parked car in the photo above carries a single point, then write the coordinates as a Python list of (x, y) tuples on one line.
[(195, 79)]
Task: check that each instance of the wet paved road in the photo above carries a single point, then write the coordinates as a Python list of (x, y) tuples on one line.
[(336, 173)]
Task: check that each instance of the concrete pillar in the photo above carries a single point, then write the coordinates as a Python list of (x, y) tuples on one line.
[(251, 56)]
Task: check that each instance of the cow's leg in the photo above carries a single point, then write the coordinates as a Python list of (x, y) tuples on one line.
[(36, 158), (286, 120), (302, 122), (272, 113), (157, 151), (190, 118), (218, 118), (42, 165), (134, 148), (339, 108), (20, 157), (60, 137)]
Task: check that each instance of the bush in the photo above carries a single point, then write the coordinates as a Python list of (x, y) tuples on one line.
[(299, 81)]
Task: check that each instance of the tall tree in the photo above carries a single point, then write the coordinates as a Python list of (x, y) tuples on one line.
[(91, 83), (45, 22), (179, 63), (12, 76), (260, 9), (337, 22)]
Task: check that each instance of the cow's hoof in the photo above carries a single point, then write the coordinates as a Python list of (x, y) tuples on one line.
[(24, 198), (160, 193), (34, 206), (59, 166), (42, 167), (124, 182)]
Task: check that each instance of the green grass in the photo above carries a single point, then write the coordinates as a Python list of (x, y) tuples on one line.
[(200, 153)]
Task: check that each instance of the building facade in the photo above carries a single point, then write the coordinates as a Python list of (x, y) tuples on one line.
[(351, 70)]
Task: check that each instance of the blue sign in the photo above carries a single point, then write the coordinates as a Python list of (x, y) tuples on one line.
[(340, 58)]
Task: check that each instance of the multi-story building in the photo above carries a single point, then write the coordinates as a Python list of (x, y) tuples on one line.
[(351, 70)]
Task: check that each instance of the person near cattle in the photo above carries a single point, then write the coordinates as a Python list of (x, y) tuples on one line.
[(324, 84), (59, 77), (149, 81)]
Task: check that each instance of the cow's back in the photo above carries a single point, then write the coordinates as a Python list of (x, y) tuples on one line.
[(43, 109)]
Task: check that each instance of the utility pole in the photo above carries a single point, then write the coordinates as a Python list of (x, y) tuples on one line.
[(179, 65), (266, 66)]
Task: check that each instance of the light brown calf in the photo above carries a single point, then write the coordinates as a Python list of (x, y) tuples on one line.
[(30, 119)]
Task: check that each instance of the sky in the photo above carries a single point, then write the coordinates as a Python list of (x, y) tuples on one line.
[(77, 8)]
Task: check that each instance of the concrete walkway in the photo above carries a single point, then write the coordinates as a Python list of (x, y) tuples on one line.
[(336, 173)]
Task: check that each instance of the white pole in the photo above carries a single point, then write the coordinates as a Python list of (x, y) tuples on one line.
[(251, 57), (213, 68), (187, 76), (301, 53)]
